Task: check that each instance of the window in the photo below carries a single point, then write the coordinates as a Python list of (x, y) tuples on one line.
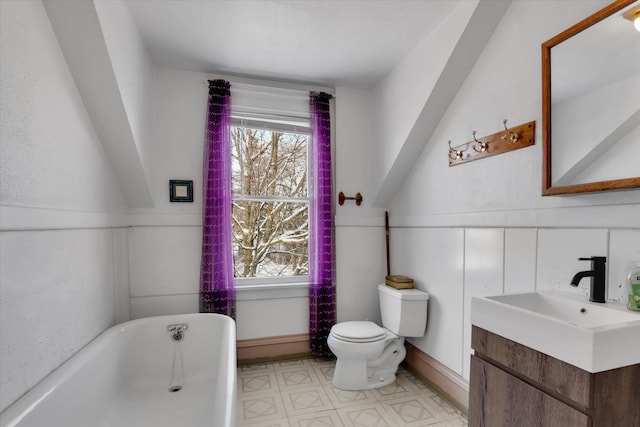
[(270, 202)]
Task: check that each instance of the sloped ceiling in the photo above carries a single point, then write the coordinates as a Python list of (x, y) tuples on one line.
[(340, 43), (352, 43), (81, 36), (407, 115)]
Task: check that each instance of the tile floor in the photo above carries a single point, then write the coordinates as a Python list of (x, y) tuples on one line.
[(299, 393)]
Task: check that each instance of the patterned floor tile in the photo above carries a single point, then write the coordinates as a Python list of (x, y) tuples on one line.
[(411, 383), (299, 401), (394, 390), (414, 411), (317, 419), (458, 422), (344, 398), (462, 422), (261, 367), (365, 416), (295, 364), (444, 405), (260, 408), (325, 372), (406, 377), (299, 393), (280, 422), (438, 405), (257, 382), (303, 376)]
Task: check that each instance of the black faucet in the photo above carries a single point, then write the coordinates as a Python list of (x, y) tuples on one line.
[(597, 275)]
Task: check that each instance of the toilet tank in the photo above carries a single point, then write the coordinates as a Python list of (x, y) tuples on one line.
[(404, 311)]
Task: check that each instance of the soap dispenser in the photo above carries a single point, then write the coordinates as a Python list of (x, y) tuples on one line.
[(633, 286)]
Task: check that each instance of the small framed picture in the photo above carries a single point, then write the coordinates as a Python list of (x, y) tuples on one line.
[(180, 191)]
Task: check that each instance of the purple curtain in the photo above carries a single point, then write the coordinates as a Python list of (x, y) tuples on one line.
[(322, 290), (217, 294)]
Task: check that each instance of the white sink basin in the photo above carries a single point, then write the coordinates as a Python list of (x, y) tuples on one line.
[(592, 336)]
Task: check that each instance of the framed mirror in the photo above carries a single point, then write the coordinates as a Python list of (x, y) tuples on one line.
[(591, 104)]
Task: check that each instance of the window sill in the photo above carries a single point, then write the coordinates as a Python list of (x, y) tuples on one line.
[(272, 291)]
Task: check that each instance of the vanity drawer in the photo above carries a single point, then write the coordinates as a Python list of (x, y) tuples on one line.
[(498, 398), (560, 379)]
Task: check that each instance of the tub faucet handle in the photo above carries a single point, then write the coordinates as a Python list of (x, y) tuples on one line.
[(177, 331)]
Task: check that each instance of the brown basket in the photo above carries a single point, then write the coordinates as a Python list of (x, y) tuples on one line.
[(399, 282)]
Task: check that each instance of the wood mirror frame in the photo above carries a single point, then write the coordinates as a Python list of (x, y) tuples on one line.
[(547, 186)]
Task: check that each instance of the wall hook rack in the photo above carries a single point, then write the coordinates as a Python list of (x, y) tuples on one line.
[(342, 198), (504, 141)]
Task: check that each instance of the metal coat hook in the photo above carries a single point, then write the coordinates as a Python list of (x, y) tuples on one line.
[(453, 153), (342, 198), (513, 137), (483, 145)]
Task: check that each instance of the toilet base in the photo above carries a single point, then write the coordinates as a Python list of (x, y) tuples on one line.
[(362, 374), (351, 374)]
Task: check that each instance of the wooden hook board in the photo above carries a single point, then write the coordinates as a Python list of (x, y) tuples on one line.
[(495, 144)]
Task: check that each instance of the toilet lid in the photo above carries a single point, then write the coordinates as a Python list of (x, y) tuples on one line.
[(359, 331)]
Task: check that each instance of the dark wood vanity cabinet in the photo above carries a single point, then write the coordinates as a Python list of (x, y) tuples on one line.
[(514, 385)]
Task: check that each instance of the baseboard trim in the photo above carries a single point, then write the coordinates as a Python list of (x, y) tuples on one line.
[(442, 379), (273, 348)]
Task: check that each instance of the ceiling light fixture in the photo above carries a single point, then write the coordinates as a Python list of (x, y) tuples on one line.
[(633, 15)]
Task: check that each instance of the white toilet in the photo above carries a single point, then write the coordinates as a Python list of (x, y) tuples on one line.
[(368, 355)]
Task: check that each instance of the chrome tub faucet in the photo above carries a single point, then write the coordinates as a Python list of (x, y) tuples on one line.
[(177, 331)]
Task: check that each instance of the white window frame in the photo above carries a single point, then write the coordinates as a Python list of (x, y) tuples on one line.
[(280, 123)]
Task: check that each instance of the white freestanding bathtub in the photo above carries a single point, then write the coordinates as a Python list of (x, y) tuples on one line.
[(137, 374)]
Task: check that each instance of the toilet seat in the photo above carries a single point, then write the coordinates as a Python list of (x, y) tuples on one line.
[(358, 332)]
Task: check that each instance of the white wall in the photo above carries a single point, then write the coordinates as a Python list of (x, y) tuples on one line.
[(360, 237), (497, 89), (164, 242), (483, 228), (63, 262), (455, 264)]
